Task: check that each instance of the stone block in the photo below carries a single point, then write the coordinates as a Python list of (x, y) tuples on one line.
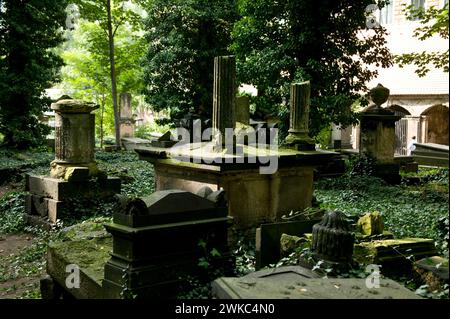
[(289, 244), (393, 252), (61, 190), (76, 174), (432, 271), (371, 224)]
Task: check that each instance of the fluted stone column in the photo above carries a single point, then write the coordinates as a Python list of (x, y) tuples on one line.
[(74, 137), (224, 96), (299, 117)]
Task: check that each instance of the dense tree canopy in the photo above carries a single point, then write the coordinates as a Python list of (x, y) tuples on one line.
[(327, 42), (184, 36), (29, 32)]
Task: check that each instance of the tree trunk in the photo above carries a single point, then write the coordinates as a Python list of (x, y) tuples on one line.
[(102, 113), (113, 74)]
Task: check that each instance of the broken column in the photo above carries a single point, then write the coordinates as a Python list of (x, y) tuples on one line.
[(332, 240), (74, 172), (224, 99), (299, 118), (127, 121), (74, 139), (377, 136)]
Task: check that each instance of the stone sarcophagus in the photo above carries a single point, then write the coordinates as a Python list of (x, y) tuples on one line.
[(161, 238), (154, 246)]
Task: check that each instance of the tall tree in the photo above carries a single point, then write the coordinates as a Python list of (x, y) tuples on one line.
[(87, 73), (111, 15), (434, 21), (184, 36), (29, 32), (327, 42)]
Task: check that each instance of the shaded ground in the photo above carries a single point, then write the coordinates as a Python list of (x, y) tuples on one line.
[(18, 280)]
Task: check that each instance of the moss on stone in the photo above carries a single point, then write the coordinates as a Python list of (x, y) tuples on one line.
[(90, 255)]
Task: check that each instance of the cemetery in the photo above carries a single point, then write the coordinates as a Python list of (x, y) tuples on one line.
[(223, 203)]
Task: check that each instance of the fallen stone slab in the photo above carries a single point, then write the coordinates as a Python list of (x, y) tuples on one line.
[(432, 271), (298, 283)]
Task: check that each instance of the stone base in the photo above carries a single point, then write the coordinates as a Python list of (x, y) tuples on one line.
[(303, 143), (390, 172), (253, 198), (48, 195), (59, 170)]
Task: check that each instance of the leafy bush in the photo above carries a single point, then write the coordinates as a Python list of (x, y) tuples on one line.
[(12, 210), (360, 165), (137, 176), (409, 211)]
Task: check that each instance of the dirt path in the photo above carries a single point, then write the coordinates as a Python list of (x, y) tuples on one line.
[(15, 282)]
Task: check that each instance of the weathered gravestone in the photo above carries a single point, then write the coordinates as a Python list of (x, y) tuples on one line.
[(155, 247), (74, 172)]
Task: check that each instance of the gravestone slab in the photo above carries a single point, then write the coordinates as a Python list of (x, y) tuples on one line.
[(299, 283)]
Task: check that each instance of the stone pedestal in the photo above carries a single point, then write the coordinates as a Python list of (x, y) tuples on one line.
[(74, 137), (377, 137), (74, 172), (48, 195)]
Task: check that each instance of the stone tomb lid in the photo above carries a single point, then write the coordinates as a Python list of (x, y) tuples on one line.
[(168, 206), (295, 284), (202, 154)]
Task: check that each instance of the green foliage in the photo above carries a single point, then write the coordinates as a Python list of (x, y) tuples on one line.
[(144, 131), (280, 42), (29, 33), (408, 211), (184, 36), (323, 138), (12, 210), (137, 176), (87, 72), (434, 21), (360, 165)]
